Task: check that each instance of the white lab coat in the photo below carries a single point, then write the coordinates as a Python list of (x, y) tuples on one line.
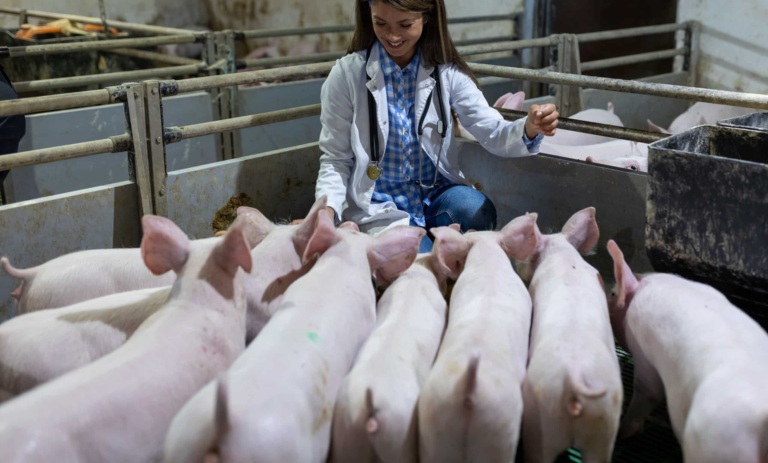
[(344, 139)]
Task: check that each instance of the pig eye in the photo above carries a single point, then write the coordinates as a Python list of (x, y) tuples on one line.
[(633, 167)]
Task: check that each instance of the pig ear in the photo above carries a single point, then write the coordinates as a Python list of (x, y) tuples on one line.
[(324, 236), (655, 128), (581, 230), (304, 231), (234, 251), (393, 251), (449, 253), (626, 283), (502, 100), (164, 246), (255, 226), (516, 101), (518, 237)]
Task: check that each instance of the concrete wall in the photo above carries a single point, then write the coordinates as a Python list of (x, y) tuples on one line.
[(173, 13), (734, 42)]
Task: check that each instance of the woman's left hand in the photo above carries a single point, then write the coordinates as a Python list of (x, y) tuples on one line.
[(542, 119)]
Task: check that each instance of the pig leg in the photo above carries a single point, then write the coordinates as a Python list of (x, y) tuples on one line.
[(192, 433), (648, 392), (542, 442), (734, 430)]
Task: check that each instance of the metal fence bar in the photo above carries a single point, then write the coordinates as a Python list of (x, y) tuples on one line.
[(632, 32), (92, 20), (632, 59), (176, 134), (96, 79), (114, 144), (153, 56), (46, 103), (485, 18), (93, 45), (283, 60), (507, 45), (250, 77), (593, 128), (480, 41), (749, 100), (282, 32)]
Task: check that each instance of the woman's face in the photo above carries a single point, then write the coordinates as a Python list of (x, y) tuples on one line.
[(398, 31)]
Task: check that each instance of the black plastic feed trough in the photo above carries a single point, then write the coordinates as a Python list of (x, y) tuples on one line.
[(707, 211)]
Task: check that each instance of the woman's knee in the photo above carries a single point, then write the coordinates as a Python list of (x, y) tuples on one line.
[(464, 205)]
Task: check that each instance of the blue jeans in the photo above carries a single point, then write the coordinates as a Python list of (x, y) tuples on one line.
[(460, 204)]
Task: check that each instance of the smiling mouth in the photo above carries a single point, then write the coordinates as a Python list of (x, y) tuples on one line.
[(396, 44)]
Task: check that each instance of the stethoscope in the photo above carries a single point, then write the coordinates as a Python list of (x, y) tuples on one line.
[(374, 166)]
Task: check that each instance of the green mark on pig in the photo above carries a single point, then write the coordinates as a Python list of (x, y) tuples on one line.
[(314, 337)]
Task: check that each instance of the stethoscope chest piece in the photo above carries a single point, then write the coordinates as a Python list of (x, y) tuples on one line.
[(373, 171)]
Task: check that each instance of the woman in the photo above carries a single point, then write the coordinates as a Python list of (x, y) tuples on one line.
[(402, 77)]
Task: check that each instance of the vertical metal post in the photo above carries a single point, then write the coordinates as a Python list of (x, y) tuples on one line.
[(138, 156), (210, 58), (156, 146), (693, 42), (225, 50), (23, 19), (569, 99)]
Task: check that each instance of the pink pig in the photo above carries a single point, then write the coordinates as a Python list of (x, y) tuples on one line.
[(572, 390), (297, 363), (471, 404), (376, 408), (40, 346), (690, 344), (601, 116), (700, 114), (83, 275), (505, 101), (118, 408)]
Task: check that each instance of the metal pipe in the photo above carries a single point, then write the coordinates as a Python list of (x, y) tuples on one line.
[(39, 104), (508, 45), (593, 128), (269, 33), (631, 59), (282, 32), (632, 32), (486, 18), (95, 79), (91, 20), (114, 144), (56, 48), (250, 77), (480, 41), (749, 100), (176, 134), (283, 60), (153, 56)]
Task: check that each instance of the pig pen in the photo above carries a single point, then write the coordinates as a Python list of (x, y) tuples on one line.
[(107, 215)]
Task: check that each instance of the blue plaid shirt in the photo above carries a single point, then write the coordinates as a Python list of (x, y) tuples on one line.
[(401, 159), (400, 162)]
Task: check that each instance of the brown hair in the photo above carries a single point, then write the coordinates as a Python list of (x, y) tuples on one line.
[(435, 43)]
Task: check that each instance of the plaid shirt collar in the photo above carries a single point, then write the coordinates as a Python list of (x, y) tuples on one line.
[(388, 65)]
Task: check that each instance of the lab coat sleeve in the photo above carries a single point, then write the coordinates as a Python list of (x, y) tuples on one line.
[(337, 158), (494, 133)]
